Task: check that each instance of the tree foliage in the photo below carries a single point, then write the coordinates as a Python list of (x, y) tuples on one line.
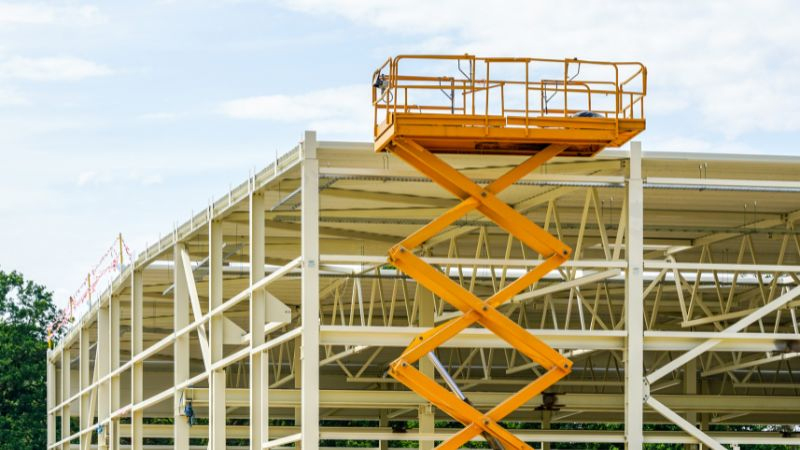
[(25, 310)]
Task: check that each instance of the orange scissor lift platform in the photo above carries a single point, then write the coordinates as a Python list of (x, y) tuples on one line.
[(539, 108)]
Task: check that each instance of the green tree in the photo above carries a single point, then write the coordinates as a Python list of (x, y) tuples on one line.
[(25, 310)]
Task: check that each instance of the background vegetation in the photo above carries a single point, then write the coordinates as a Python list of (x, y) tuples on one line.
[(25, 310)]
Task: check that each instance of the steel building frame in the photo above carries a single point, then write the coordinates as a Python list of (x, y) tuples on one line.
[(275, 306)]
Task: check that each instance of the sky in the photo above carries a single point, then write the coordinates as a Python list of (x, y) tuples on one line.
[(127, 116)]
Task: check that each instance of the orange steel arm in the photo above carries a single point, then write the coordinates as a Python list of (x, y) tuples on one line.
[(475, 310)]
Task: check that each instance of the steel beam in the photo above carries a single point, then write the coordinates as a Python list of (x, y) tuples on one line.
[(396, 336), (690, 388), (749, 363), (137, 345), (181, 349), (84, 380), (217, 408), (425, 414), (572, 436), (358, 399), (197, 311), (257, 317), (689, 428), (705, 346), (115, 315), (468, 338), (309, 353), (103, 362), (65, 393), (51, 400), (634, 304), (731, 330)]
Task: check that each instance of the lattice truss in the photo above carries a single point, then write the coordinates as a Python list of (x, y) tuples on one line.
[(705, 284)]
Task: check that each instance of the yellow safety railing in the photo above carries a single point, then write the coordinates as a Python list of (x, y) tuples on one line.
[(514, 88)]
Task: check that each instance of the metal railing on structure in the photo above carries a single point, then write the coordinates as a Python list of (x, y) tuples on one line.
[(516, 89), (111, 263)]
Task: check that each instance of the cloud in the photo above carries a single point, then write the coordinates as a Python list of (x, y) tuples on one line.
[(160, 116), (662, 103), (708, 57), (341, 110), (416, 16), (698, 145), (11, 97), (16, 13), (679, 144), (106, 177), (43, 14), (52, 69), (85, 177)]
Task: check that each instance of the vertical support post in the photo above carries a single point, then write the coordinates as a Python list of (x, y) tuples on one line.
[(51, 400), (115, 313), (84, 379), (426, 320), (181, 348), (634, 310), (216, 336), (690, 388), (704, 421), (298, 382), (102, 360), (309, 353), (137, 344), (383, 422), (546, 418), (65, 394), (258, 308)]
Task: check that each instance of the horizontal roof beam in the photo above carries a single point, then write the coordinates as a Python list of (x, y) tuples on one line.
[(560, 339)]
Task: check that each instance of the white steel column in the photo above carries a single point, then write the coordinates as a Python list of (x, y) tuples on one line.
[(704, 418), (690, 388), (634, 309), (426, 410), (546, 419), (115, 312), (309, 353), (51, 400), (181, 348), (137, 374), (84, 379), (65, 393), (258, 311), (217, 401), (298, 381), (383, 422), (102, 360)]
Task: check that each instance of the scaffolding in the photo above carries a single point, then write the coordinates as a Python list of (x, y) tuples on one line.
[(272, 317)]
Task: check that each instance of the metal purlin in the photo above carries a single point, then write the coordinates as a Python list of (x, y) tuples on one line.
[(555, 253)]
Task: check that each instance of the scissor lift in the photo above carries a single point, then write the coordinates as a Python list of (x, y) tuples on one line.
[(539, 108)]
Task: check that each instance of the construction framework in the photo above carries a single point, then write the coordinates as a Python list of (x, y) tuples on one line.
[(272, 317), (699, 250)]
